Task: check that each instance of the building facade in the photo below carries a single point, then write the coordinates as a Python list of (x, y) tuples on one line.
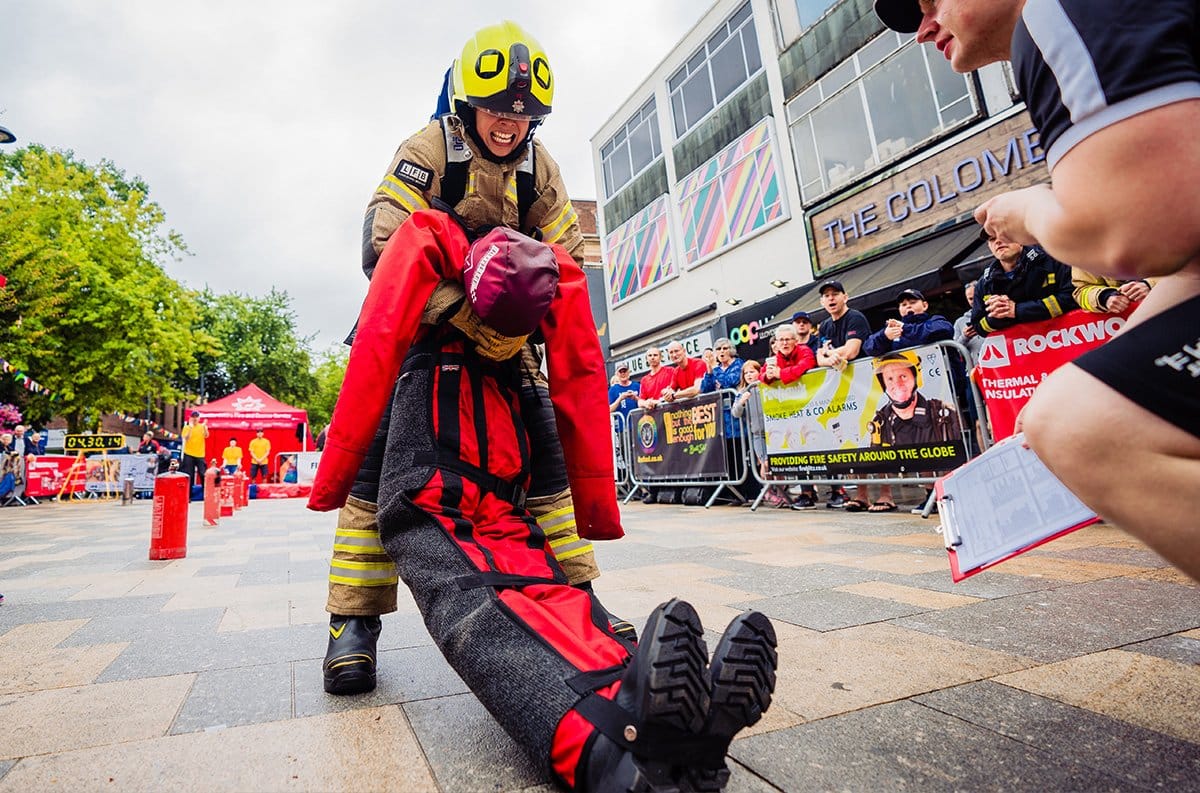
[(783, 142)]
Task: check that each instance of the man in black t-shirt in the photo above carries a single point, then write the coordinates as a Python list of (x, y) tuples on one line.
[(1114, 90), (843, 333)]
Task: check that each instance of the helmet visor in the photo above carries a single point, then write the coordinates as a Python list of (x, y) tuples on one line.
[(509, 116)]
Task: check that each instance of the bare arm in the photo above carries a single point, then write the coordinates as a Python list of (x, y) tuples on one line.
[(850, 350), (1146, 227)]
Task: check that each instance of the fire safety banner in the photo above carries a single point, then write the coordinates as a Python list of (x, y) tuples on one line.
[(47, 475), (679, 441), (1015, 360), (893, 414)]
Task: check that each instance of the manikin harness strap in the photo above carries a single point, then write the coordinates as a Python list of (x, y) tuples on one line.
[(501, 488), (645, 740)]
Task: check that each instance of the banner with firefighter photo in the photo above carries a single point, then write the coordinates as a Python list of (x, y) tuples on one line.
[(679, 442), (892, 414)]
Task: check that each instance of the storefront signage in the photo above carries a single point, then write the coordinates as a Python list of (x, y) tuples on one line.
[(948, 185)]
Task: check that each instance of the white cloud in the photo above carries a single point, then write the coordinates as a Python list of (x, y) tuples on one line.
[(263, 127)]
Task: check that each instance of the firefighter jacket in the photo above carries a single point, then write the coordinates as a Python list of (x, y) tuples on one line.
[(1039, 285), (932, 422), (918, 329), (431, 247), (1093, 291), (490, 197)]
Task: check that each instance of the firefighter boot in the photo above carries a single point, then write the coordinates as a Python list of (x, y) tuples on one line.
[(622, 628), (743, 679), (349, 666), (663, 701)]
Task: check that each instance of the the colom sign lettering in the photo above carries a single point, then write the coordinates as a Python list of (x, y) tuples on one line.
[(947, 185)]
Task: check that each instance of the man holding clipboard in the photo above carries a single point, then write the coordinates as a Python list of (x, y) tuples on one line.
[(1114, 90)]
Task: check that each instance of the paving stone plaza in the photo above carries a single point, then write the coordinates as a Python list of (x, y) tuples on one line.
[(1074, 667)]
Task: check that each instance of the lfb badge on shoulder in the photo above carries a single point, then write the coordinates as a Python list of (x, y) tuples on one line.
[(410, 173)]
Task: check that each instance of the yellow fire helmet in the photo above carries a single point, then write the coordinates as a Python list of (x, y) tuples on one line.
[(504, 70), (906, 357)]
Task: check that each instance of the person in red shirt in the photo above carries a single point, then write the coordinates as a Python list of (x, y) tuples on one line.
[(658, 378), (688, 374), (792, 359)]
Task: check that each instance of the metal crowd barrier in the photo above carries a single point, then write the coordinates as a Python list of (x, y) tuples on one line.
[(984, 440), (621, 459), (736, 448)]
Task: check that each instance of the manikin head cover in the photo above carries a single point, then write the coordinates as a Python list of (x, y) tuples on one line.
[(510, 280)]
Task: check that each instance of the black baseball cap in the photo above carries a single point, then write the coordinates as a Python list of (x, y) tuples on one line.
[(834, 285), (801, 315), (902, 16), (910, 294)]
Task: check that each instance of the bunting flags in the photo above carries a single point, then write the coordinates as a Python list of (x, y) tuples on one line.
[(146, 423), (26, 381), (32, 385)]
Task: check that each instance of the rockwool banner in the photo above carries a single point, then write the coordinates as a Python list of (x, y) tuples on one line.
[(1014, 361), (894, 414)]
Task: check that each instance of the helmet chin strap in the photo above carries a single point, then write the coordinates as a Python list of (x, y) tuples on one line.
[(466, 114), (906, 403)]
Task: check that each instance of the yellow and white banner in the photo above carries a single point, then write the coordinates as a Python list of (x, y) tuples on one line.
[(832, 422)]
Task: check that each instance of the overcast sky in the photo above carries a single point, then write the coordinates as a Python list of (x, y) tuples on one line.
[(263, 126)]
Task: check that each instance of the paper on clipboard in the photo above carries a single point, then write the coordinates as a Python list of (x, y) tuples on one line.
[(1001, 504)]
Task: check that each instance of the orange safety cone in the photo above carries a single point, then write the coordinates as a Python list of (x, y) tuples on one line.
[(212, 498), (168, 524)]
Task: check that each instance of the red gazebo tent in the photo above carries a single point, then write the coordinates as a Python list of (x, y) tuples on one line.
[(243, 412)]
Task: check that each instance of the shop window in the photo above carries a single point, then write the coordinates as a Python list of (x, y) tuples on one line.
[(637, 254), (631, 149), (732, 195), (723, 64), (884, 101)]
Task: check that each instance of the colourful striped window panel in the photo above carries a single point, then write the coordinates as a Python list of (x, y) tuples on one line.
[(637, 253), (731, 195)]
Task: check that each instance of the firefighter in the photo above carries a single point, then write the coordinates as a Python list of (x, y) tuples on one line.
[(481, 160)]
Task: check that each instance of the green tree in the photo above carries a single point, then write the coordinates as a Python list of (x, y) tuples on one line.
[(89, 311), (257, 342), (329, 373)]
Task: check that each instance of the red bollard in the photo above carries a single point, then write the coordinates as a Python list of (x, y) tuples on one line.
[(227, 496), (212, 498), (239, 490), (245, 491), (168, 528)]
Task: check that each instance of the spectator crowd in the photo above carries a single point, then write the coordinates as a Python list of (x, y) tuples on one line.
[(1020, 284)]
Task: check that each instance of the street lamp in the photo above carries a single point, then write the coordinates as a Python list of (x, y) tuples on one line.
[(6, 136)]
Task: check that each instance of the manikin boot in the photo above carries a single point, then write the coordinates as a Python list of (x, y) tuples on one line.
[(743, 680), (664, 695), (683, 716), (349, 666)]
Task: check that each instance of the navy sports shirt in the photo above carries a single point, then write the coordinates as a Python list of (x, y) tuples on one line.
[(1083, 65)]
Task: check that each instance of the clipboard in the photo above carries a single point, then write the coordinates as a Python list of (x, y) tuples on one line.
[(1002, 504)]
